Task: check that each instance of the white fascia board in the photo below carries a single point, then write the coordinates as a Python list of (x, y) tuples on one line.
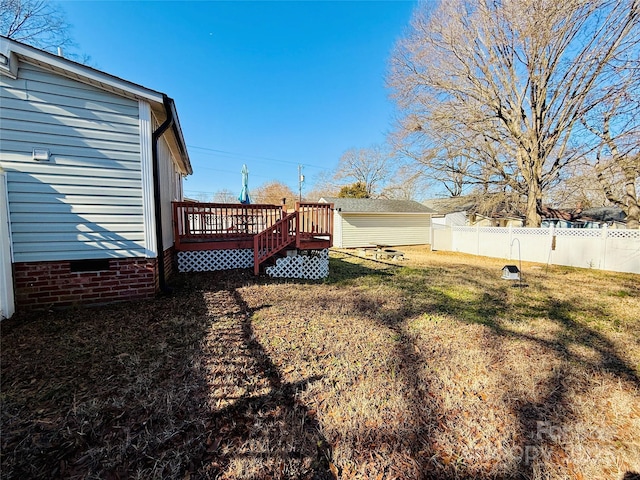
[(76, 71), (8, 62), (176, 142), (186, 162)]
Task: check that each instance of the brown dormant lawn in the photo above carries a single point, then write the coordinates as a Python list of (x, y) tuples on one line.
[(431, 367)]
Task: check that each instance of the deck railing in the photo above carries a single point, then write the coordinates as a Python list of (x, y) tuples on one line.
[(195, 222), (266, 228), (274, 239), (315, 220)]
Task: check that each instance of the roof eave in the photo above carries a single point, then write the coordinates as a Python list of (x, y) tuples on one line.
[(13, 51), (76, 71), (174, 136)]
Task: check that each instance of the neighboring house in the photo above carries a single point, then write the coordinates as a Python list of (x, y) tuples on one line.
[(560, 217), (451, 211), (361, 222), (557, 223), (598, 217), (92, 164), (497, 220), (483, 211)]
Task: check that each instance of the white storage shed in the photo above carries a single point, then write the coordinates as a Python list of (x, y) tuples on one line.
[(362, 222)]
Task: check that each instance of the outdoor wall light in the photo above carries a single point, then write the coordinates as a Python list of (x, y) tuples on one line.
[(41, 154)]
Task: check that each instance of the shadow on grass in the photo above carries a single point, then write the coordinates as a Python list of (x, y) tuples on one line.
[(105, 392), (181, 385), (147, 390), (273, 428), (464, 295), (345, 268)]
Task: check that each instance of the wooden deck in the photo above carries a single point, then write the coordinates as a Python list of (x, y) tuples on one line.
[(266, 229)]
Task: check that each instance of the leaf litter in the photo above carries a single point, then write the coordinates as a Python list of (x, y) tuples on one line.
[(428, 369)]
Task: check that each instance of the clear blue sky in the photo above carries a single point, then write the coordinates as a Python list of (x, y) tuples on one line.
[(269, 84)]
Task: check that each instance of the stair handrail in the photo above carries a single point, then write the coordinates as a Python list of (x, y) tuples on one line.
[(274, 239)]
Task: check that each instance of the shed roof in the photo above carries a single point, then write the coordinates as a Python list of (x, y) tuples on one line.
[(376, 205), (11, 51)]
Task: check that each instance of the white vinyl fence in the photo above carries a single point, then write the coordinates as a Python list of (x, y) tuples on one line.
[(603, 249)]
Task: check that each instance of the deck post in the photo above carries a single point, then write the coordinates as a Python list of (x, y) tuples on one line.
[(265, 229)]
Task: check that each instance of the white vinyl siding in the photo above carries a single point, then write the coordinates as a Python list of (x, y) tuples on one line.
[(86, 201), (7, 303), (337, 229), (359, 229), (169, 191), (148, 194)]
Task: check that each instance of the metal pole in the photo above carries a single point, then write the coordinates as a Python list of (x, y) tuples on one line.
[(519, 258), (300, 180)]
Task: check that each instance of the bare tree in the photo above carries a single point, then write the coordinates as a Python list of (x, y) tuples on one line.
[(627, 168), (368, 166), (505, 83), (202, 197), (616, 127), (39, 23), (273, 193), (408, 183), (452, 156), (579, 187), (225, 196), (323, 186)]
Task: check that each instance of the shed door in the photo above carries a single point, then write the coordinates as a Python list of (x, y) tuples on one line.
[(360, 230), (7, 306)]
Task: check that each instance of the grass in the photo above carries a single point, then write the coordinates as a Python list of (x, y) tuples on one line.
[(432, 367)]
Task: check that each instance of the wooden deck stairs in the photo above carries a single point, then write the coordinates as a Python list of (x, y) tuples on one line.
[(266, 229), (274, 240)]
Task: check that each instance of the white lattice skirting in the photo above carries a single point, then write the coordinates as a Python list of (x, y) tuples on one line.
[(211, 260), (313, 266)]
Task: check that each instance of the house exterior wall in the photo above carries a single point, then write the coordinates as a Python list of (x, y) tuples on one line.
[(170, 264), (360, 229), (7, 304), (337, 229), (86, 201), (458, 219), (40, 285), (44, 284), (170, 190), (485, 222), (497, 222)]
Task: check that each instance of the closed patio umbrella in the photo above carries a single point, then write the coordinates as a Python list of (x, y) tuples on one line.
[(244, 193)]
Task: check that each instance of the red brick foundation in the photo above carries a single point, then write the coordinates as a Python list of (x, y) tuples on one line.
[(170, 265), (45, 284)]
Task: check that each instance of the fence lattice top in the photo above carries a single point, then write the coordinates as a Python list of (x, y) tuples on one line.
[(560, 232)]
